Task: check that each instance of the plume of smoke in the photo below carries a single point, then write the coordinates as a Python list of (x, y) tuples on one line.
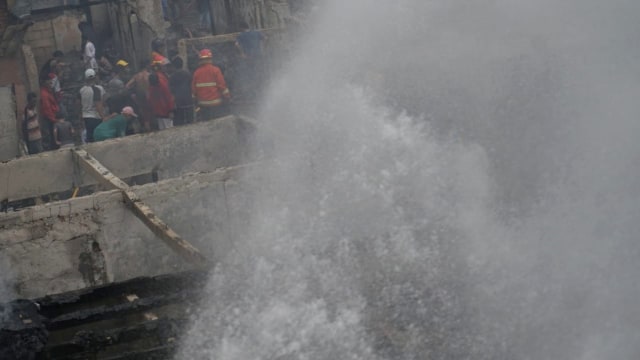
[(451, 179)]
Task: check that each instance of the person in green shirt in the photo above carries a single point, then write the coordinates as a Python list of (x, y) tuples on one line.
[(115, 126)]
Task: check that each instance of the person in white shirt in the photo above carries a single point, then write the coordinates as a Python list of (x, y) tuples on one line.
[(89, 55), (92, 100)]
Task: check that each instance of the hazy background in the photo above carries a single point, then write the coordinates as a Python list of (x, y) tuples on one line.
[(450, 180)]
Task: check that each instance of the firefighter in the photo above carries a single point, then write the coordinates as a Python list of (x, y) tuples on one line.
[(209, 88)]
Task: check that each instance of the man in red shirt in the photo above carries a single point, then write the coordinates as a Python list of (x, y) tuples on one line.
[(48, 109), (160, 98), (139, 83), (209, 88)]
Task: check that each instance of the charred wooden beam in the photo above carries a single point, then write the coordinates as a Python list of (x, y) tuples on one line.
[(22, 331), (142, 318)]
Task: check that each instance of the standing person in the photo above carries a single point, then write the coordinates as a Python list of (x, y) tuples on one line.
[(140, 85), (87, 32), (89, 55), (91, 98), (53, 69), (31, 125), (158, 50), (180, 85), (250, 43), (54, 66), (105, 68), (63, 132), (160, 98), (205, 15), (123, 70), (117, 96), (115, 86), (48, 109), (209, 88), (115, 126)]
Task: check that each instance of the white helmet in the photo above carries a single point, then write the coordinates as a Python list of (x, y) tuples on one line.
[(89, 74)]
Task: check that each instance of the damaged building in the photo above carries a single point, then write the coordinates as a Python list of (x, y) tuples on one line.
[(32, 30), (115, 265), (96, 237)]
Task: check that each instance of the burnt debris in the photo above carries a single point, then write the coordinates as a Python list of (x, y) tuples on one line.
[(141, 318)]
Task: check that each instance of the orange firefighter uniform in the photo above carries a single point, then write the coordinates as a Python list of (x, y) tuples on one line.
[(208, 85)]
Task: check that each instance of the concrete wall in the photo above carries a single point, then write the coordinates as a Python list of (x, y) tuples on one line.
[(94, 240), (203, 146), (12, 75), (66, 33), (134, 25), (150, 13), (260, 14), (31, 71), (8, 126), (4, 15), (41, 38), (100, 19), (59, 33)]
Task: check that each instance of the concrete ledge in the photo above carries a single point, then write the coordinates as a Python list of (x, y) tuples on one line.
[(198, 147)]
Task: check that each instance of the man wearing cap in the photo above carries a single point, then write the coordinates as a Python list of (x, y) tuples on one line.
[(91, 98), (115, 86), (123, 66), (115, 126), (209, 88)]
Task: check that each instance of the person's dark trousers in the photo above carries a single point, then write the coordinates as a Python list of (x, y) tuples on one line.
[(213, 112), (35, 147), (91, 124), (48, 143), (183, 115)]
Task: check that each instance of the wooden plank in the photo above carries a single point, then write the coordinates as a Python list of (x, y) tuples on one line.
[(218, 39), (141, 210), (97, 171), (163, 231)]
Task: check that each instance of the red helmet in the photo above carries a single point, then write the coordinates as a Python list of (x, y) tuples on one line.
[(159, 60), (205, 54)]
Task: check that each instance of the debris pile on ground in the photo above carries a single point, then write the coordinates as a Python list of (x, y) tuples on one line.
[(138, 319)]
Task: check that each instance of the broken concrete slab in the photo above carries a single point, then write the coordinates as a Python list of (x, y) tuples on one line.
[(94, 240)]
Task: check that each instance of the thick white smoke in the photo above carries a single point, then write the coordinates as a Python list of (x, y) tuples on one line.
[(451, 179)]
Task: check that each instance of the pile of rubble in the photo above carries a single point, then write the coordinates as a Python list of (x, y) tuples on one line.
[(141, 318)]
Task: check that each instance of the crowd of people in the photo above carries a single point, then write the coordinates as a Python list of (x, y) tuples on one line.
[(114, 103)]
